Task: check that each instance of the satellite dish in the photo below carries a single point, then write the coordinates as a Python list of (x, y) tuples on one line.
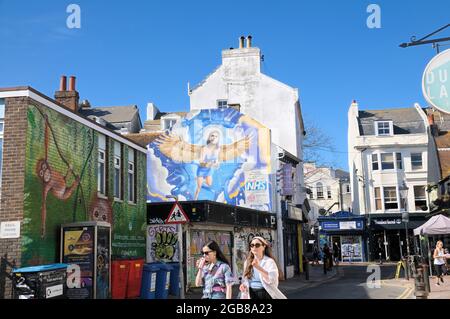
[(322, 211)]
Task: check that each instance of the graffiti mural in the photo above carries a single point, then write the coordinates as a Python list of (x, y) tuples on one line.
[(216, 154), (198, 238), (61, 187), (162, 243), (242, 238)]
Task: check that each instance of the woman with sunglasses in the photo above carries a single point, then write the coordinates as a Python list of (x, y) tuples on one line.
[(214, 273), (261, 272)]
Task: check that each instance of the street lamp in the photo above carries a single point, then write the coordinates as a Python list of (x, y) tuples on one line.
[(180, 249), (403, 189)]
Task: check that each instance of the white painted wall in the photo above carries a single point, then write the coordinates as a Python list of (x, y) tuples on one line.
[(240, 81), (364, 179)]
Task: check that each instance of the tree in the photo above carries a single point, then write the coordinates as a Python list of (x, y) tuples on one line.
[(316, 142)]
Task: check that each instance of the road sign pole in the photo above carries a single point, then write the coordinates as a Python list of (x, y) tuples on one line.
[(180, 243)]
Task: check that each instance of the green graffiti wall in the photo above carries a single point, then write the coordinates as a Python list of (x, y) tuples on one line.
[(61, 187)]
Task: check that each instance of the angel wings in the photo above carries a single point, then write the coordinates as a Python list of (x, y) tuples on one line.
[(178, 150)]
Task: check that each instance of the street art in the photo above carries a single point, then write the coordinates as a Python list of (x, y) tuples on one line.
[(198, 239), (61, 187), (214, 154), (242, 238), (162, 243)]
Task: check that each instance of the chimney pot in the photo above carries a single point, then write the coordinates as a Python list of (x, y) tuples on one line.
[(249, 41), (431, 119), (63, 83), (354, 101), (72, 83), (241, 42)]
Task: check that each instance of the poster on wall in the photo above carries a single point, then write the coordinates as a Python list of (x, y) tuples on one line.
[(162, 243), (213, 154), (351, 248), (78, 248)]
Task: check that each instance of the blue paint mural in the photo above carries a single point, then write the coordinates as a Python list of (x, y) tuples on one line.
[(214, 154)]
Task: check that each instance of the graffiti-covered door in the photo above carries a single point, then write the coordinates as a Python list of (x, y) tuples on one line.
[(198, 238)]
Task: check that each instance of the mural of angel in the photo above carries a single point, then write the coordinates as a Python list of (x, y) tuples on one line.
[(208, 156)]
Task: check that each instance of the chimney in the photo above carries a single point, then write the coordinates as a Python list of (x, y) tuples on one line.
[(249, 41), (241, 42), (433, 127), (69, 98)]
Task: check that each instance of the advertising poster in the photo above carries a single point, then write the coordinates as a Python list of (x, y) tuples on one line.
[(351, 248), (79, 249), (212, 154)]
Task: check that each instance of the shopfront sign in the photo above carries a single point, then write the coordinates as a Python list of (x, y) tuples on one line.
[(393, 221), (342, 225), (436, 83)]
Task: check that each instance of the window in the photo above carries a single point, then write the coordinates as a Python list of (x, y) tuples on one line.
[(398, 158), (328, 192), (319, 190), (420, 198), (416, 161), (347, 188), (101, 176), (383, 128), (374, 162), (311, 195), (168, 123), (221, 104), (131, 180), (378, 205), (390, 198), (387, 161), (117, 171)]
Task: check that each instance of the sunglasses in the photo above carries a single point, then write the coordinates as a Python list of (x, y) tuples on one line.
[(257, 245), (206, 252)]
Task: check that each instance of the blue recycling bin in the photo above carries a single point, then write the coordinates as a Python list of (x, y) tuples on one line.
[(174, 288), (163, 281), (149, 278)]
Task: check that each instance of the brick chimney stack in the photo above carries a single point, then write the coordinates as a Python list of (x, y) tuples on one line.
[(68, 98)]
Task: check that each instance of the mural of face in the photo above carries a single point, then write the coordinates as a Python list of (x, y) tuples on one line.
[(101, 210)]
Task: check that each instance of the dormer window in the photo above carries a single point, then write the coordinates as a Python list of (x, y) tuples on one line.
[(384, 128), (222, 104), (168, 122)]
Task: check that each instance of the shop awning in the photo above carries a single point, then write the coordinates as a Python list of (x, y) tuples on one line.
[(436, 225)]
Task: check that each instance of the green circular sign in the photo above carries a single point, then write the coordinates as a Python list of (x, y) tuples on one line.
[(436, 83)]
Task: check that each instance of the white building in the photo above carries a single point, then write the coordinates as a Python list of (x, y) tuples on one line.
[(239, 83), (389, 161), (329, 190)]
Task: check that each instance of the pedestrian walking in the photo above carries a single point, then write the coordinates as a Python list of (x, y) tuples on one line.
[(336, 253), (327, 258), (261, 272), (439, 262), (315, 255), (214, 273)]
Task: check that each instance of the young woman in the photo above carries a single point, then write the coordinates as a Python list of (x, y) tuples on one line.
[(261, 272), (214, 273), (439, 261)]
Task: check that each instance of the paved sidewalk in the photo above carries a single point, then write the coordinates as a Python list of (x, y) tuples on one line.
[(441, 291), (296, 283)]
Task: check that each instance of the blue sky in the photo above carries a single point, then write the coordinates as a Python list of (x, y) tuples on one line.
[(139, 51)]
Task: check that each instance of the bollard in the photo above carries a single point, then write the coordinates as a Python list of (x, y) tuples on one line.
[(420, 290)]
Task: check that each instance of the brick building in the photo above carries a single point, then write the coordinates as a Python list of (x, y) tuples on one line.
[(59, 166)]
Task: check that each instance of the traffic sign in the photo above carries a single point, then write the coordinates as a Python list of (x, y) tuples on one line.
[(177, 215)]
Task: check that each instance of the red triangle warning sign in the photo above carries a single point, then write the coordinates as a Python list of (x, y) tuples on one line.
[(177, 215)]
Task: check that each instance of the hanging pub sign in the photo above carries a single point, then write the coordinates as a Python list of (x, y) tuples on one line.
[(435, 82)]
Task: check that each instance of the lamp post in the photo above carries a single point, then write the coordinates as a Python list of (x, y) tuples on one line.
[(180, 250), (403, 189)]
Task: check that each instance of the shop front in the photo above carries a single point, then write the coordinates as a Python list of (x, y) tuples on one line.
[(387, 235), (232, 227), (347, 232)]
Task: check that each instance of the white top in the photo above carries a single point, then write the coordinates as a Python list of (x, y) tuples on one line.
[(271, 286), (439, 260)]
